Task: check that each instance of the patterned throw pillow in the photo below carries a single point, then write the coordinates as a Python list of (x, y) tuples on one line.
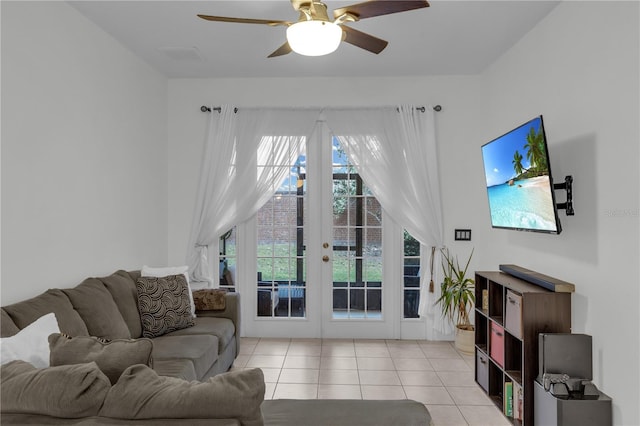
[(164, 304)]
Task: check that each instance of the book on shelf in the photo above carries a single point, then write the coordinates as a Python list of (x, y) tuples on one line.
[(517, 401), (508, 399)]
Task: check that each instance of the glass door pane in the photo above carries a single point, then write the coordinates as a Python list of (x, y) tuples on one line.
[(357, 244), (281, 248), (411, 273)]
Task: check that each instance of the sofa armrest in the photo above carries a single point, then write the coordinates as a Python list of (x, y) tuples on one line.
[(231, 311)]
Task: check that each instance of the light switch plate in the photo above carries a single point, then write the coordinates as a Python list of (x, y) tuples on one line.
[(463, 235)]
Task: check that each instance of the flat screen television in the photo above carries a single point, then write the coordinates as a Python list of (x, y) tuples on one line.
[(519, 181)]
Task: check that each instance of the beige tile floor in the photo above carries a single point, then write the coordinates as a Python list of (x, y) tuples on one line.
[(433, 373)]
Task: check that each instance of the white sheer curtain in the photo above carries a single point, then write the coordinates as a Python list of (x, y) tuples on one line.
[(248, 154), (394, 150), (246, 157)]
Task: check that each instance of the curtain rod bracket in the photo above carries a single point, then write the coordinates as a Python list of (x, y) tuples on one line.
[(205, 108)]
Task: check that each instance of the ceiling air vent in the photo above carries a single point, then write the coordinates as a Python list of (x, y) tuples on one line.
[(179, 53)]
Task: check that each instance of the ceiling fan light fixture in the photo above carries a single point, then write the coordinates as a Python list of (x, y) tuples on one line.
[(314, 38)]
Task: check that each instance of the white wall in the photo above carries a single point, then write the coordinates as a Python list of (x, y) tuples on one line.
[(84, 152), (580, 68)]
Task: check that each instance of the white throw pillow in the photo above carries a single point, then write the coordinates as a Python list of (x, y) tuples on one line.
[(148, 271), (31, 344)]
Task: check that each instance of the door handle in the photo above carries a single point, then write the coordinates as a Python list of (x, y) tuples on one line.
[(325, 258)]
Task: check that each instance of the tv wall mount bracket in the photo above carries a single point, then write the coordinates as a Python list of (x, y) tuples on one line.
[(567, 186)]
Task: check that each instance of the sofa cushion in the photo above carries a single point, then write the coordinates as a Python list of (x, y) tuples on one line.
[(98, 310), (180, 368), (7, 326), (122, 287), (222, 328), (30, 344), (163, 303), (34, 419), (70, 391), (201, 350), (292, 412), (142, 394), (112, 357), (53, 300)]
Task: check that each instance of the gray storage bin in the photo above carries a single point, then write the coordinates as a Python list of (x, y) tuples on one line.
[(482, 370), (513, 317)]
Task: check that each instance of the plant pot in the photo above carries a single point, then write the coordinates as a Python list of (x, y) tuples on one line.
[(465, 339)]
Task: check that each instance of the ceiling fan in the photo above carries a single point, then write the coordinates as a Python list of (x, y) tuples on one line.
[(314, 34)]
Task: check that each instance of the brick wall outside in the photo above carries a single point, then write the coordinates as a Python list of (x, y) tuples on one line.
[(277, 221)]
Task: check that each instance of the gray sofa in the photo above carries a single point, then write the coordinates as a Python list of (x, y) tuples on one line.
[(186, 384), (107, 307), (81, 394)]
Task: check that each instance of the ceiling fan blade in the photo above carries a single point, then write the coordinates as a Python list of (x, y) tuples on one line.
[(282, 50), (364, 40), (270, 22), (373, 8)]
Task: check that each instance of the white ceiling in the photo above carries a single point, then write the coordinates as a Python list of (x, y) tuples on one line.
[(447, 38)]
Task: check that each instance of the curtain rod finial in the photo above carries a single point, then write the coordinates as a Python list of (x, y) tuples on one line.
[(204, 108), (437, 108)]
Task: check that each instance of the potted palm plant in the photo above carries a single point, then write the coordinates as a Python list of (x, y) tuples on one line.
[(457, 298)]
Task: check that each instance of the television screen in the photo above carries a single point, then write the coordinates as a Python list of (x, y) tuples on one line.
[(519, 181)]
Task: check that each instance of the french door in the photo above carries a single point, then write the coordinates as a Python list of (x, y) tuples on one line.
[(357, 302), (320, 253)]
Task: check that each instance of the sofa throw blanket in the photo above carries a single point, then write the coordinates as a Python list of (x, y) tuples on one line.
[(112, 357), (210, 300), (66, 391), (142, 394)]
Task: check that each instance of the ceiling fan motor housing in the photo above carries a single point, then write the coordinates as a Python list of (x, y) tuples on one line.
[(315, 26), (315, 11)]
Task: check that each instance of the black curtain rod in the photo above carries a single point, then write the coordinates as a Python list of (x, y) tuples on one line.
[(205, 108)]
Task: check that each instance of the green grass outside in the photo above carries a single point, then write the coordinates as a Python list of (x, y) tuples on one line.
[(278, 262)]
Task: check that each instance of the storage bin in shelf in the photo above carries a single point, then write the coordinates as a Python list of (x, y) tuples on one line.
[(513, 313), (496, 343), (482, 370)]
